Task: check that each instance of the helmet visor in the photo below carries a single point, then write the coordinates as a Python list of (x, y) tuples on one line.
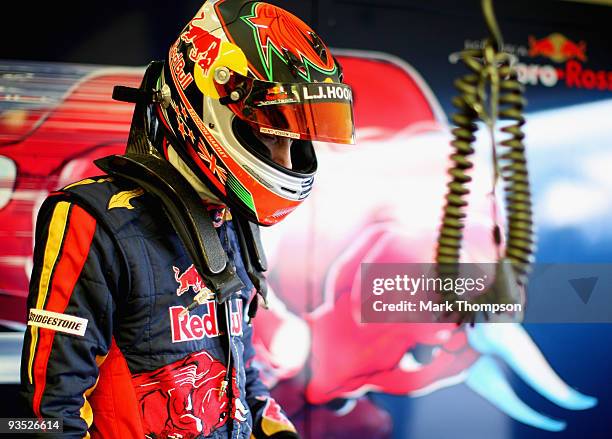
[(308, 111)]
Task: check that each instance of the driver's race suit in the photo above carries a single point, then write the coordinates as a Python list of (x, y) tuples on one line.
[(107, 349)]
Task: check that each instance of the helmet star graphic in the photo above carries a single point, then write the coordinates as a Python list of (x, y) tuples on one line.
[(184, 112), (181, 127), (190, 134), (278, 31)]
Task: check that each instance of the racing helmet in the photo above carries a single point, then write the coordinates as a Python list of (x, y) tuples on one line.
[(243, 67)]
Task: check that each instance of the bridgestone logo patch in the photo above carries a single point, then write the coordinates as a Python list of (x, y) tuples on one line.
[(58, 322)]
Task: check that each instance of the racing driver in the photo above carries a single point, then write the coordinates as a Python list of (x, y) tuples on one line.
[(146, 278)]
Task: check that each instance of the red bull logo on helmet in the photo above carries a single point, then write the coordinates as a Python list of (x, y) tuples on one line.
[(204, 45), (177, 65)]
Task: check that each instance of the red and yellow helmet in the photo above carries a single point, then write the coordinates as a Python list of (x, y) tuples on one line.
[(240, 66)]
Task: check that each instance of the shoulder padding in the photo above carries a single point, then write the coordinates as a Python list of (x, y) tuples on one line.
[(113, 201)]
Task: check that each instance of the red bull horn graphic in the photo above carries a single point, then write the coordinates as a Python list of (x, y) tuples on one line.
[(205, 46), (182, 399), (557, 47)]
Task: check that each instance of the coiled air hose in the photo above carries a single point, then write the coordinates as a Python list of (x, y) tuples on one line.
[(489, 92)]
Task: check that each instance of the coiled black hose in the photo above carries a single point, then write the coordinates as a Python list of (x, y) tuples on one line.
[(489, 92)]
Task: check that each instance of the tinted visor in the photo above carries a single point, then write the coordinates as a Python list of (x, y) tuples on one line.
[(309, 111)]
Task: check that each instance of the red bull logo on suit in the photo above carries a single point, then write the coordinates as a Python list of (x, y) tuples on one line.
[(189, 279), (192, 326)]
